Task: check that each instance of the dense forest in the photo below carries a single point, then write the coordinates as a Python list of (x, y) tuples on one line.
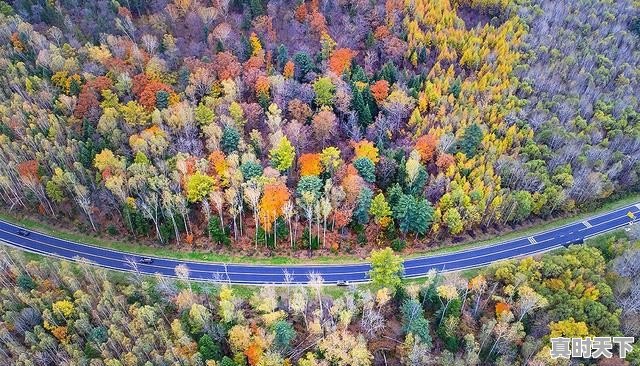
[(299, 125), (57, 313)]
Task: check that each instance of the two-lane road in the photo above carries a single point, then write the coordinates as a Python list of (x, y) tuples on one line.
[(256, 274)]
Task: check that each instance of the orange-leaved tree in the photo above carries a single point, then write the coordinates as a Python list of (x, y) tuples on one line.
[(309, 164), (445, 161), (352, 183), (288, 70), (28, 171), (301, 12), (254, 353), (340, 60), (262, 87), (426, 146), (219, 166), (148, 95), (272, 204), (380, 90)]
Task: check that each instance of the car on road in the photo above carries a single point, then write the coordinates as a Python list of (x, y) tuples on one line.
[(573, 242), (145, 260), (22, 232), (342, 283)]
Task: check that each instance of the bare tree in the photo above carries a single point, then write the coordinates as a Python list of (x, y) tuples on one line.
[(316, 281), (182, 272), (133, 264), (288, 279), (288, 212)]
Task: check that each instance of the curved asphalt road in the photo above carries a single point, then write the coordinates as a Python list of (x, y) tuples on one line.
[(255, 274)]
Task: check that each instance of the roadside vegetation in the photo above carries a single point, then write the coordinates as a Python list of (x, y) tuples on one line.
[(56, 313), (102, 240), (259, 128)]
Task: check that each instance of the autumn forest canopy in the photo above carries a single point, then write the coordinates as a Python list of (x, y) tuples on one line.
[(56, 313), (254, 125)]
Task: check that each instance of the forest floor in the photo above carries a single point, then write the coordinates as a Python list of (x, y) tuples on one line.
[(448, 245)]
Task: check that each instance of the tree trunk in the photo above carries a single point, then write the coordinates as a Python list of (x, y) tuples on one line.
[(175, 229)]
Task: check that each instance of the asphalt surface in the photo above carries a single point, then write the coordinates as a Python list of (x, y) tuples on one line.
[(257, 274)]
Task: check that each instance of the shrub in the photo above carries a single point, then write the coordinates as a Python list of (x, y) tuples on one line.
[(111, 230), (398, 244), (217, 232), (26, 282), (315, 241)]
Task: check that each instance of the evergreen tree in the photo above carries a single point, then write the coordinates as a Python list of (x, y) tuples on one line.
[(370, 41), (216, 231), (370, 100), (282, 55), (283, 335), (229, 140), (245, 52), (634, 25), (394, 193), (389, 72), (419, 179), (413, 321), (257, 8), (455, 88), (26, 282), (361, 107), (162, 99), (309, 183), (413, 214), (226, 361), (6, 9), (251, 170), (471, 140), (208, 348), (303, 64), (358, 74), (366, 169), (74, 87), (361, 212)]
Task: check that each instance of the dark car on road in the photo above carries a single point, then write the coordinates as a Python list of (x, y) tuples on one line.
[(23, 232)]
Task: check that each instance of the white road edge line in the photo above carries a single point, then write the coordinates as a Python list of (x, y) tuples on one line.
[(435, 264), (78, 258)]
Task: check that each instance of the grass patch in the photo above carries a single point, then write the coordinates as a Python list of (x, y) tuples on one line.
[(34, 257), (611, 236), (282, 260)]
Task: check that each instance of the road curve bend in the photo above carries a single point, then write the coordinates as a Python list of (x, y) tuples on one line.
[(259, 274)]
